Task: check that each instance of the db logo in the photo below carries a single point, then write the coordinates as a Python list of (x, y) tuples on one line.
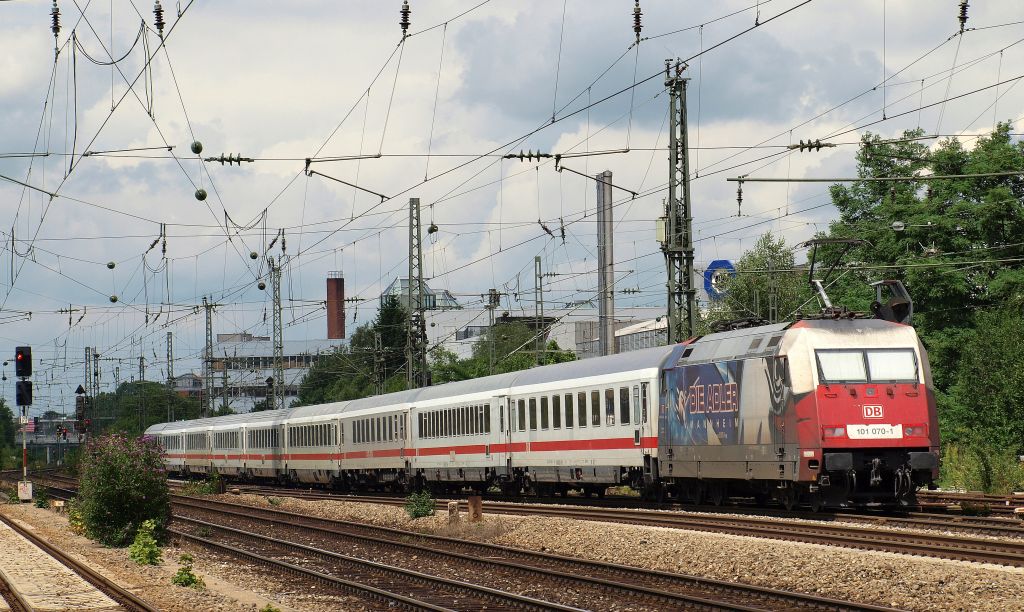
[(872, 412)]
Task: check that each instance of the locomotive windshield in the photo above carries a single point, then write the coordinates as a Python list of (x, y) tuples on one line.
[(871, 365)]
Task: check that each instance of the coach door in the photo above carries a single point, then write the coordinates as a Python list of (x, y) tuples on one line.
[(504, 454)]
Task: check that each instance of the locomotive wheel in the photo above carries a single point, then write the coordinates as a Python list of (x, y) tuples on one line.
[(816, 502), (697, 494)]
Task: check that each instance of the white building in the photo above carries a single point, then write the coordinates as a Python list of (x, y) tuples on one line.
[(574, 329), (242, 363)]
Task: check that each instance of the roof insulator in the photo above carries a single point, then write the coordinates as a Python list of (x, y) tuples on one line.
[(637, 26), (55, 16), (158, 21), (405, 12), (962, 18)]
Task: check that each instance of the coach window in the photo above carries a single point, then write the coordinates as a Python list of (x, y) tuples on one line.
[(624, 405), (464, 421), (581, 408), (568, 410), (487, 418), (595, 408), (544, 421), (609, 406), (391, 429), (556, 411), (522, 415), (533, 414)]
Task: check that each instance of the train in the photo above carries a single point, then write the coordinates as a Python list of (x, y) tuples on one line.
[(829, 412)]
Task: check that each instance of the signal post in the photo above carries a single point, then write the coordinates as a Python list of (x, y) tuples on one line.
[(23, 398)]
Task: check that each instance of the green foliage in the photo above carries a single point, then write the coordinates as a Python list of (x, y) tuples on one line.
[(212, 485), (145, 550), (42, 497), (419, 504), (7, 425), (978, 467), (348, 373), (73, 460), (12, 496), (74, 511), (274, 501), (134, 406), (185, 577), (766, 269), (509, 346), (122, 483), (270, 608)]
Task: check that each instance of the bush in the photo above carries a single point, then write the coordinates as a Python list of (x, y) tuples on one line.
[(209, 486), (419, 504), (42, 498), (981, 468), (145, 550), (270, 608), (185, 576), (122, 484), (75, 522)]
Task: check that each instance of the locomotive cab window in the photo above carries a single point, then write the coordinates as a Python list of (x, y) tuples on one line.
[(842, 366), (892, 365), (871, 365)]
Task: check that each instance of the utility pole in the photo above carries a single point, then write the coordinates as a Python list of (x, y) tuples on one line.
[(677, 241), (493, 300), (275, 280), (605, 265), (142, 365), (378, 365), (170, 375), (538, 309), (208, 360), (416, 338), (224, 380)]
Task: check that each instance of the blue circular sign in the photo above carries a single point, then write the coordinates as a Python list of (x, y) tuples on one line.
[(716, 272)]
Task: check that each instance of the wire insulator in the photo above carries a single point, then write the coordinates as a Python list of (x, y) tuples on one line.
[(637, 26), (158, 13), (405, 12), (963, 15), (55, 16), (739, 199)]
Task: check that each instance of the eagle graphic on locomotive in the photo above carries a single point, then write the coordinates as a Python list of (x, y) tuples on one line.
[(832, 411)]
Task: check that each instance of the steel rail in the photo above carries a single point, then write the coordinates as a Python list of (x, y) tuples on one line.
[(108, 587), (405, 576), (609, 576)]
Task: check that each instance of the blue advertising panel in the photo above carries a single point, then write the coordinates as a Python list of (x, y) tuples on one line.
[(716, 272), (704, 403)]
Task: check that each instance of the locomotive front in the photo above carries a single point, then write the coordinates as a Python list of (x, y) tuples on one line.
[(868, 427)]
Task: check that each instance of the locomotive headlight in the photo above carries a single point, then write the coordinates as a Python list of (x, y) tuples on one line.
[(834, 432), (914, 431)]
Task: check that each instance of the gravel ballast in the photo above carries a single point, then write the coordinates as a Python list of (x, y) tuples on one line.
[(889, 579)]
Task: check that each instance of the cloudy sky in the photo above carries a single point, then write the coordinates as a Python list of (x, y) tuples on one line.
[(280, 82)]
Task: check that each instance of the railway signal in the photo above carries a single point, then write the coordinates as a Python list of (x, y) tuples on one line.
[(23, 393), (23, 361)]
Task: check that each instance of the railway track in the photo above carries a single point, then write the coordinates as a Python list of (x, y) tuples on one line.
[(876, 536), (127, 599), (547, 574), (998, 527), (938, 545)]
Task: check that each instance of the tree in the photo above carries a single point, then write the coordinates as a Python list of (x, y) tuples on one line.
[(514, 349), (8, 427), (349, 372), (766, 270), (134, 406)]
